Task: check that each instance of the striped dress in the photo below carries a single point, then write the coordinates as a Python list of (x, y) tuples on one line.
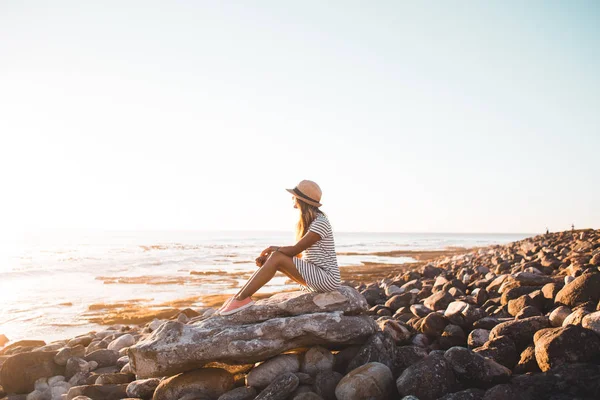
[(318, 265)]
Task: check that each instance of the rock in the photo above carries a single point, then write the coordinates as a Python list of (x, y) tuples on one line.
[(77, 365), (262, 375), (315, 360), (392, 290), (527, 363), (38, 395), (487, 323), (83, 340), (240, 393), (205, 382), (121, 342), (114, 378), (478, 337), (528, 312), (307, 396), (67, 352), (397, 331), (326, 383), (104, 357), (433, 324), (55, 380), (453, 335), (505, 392), (344, 357), (408, 355), (280, 388), (515, 306), (19, 372), (520, 331), (419, 310), (272, 326), (592, 322), (558, 316), (570, 344), (584, 288), (399, 300), (21, 346), (501, 349), (379, 348), (97, 392), (429, 271), (475, 370), (463, 314), (143, 388), (576, 317), (429, 379), (468, 394), (370, 381), (438, 301), (122, 361), (373, 296), (532, 279)]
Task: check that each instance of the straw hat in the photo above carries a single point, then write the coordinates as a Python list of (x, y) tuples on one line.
[(307, 191)]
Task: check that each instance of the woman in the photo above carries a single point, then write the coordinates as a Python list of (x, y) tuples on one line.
[(317, 272)]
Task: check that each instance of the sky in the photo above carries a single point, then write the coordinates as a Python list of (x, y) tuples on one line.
[(196, 115)]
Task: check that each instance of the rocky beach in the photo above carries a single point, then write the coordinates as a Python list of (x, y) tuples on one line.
[(515, 321)]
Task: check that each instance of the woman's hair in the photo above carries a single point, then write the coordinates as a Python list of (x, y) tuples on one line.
[(308, 213)]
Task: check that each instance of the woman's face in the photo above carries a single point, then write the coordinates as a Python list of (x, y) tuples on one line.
[(295, 201)]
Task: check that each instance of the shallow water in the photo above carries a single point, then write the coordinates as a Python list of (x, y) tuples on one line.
[(47, 283)]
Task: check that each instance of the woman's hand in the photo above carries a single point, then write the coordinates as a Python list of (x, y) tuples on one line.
[(261, 260), (266, 252)]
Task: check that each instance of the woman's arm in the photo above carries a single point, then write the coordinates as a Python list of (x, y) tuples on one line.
[(307, 240)]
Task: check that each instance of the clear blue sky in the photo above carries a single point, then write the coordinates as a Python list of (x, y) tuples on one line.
[(411, 116)]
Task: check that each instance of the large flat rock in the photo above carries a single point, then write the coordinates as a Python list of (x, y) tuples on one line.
[(283, 322)]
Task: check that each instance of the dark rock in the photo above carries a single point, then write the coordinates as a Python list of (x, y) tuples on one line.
[(429, 379), (240, 393), (468, 394), (104, 357), (527, 363), (517, 292), (262, 375), (379, 348), (280, 388), (505, 392), (142, 389), (399, 300), (528, 312), (344, 357), (374, 296), (438, 301), (487, 323), (501, 349), (475, 370), (433, 324), (453, 335), (317, 359), (520, 331), (408, 355), (98, 392), (325, 384)]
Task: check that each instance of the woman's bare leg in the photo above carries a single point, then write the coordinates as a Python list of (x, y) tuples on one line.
[(276, 262)]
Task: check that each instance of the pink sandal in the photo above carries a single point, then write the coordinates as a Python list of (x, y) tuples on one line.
[(234, 305)]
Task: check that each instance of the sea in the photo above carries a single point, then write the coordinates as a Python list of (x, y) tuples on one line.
[(49, 281)]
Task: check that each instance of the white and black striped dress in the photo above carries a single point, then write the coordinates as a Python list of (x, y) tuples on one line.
[(318, 265)]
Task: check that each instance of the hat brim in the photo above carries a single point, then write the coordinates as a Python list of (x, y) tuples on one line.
[(312, 203)]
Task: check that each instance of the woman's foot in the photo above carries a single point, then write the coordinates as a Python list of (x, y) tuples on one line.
[(234, 305)]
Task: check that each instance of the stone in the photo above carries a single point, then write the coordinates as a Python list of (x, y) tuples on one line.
[(576, 317), (520, 331), (143, 388), (20, 371), (429, 379), (114, 378), (582, 289), (433, 324), (326, 383), (262, 375), (65, 353), (453, 335), (283, 322), (307, 396), (372, 381), (104, 357), (419, 310), (379, 348), (280, 388), (399, 332), (532, 279), (569, 344), (528, 312), (501, 349), (438, 301), (83, 340), (343, 358), (467, 394), (205, 382), (399, 300), (121, 342), (474, 370), (77, 365), (558, 315), (392, 290), (505, 392), (240, 393), (592, 322), (527, 363), (478, 337), (317, 359), (98, 392), (21, 346), (408, 355)]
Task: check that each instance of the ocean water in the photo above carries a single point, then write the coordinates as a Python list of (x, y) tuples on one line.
[(48, 282)]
